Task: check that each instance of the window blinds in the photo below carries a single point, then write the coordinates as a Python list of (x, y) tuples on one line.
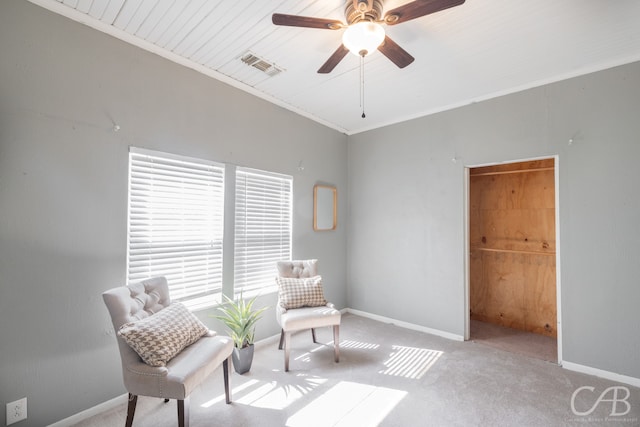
[(176, 209), (262, 227)]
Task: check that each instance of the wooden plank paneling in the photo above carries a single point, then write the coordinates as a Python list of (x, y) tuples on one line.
[(530, 230), (503, 276), (512, 239), (540, 298), (515, 290)]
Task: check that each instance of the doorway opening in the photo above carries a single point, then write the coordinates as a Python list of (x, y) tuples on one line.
[(512, 298)]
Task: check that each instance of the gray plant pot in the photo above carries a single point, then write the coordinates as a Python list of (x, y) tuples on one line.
[(242, 359)]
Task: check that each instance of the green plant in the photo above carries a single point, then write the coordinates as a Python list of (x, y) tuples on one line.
[(240, 317)]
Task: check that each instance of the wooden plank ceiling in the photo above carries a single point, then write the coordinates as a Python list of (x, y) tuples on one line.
[(472, 52)]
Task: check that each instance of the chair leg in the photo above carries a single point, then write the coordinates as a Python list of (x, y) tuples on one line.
[(225, 369), (131, 409), (313, 335), (183, 412), (336, 342), (287, 350), (281, 339)]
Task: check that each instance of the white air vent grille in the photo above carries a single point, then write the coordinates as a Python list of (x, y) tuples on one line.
[(263, 65)]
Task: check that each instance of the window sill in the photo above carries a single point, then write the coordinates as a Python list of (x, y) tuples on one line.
[(214, 300), (271, 289), (203, 303)]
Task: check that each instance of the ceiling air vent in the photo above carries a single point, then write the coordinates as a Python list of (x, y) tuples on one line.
[(263, 65)]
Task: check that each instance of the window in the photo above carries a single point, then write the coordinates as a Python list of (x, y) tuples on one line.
[(176, 209), (262, 227)]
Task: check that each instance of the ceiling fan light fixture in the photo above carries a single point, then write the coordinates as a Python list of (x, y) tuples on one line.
[(363, 38)]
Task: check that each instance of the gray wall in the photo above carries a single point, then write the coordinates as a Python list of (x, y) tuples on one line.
[(406, 242), (63, 192)]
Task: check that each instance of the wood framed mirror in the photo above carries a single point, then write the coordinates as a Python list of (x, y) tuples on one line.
[(325, 208)]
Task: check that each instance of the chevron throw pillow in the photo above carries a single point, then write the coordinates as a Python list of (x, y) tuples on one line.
[(161, 336), (296, 293)]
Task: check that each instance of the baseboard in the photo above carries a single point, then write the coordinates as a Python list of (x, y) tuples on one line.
[(270, 340), (407, 325), (601, 373), (88, 413)]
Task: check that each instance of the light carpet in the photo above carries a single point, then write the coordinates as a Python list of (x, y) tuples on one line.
[(515, 341), (392, 376)]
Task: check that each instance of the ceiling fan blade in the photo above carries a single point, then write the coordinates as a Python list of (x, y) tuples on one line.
[(333, 60), (306, 22), (395, 53), (418, 8)]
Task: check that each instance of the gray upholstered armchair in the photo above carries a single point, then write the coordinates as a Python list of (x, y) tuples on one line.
[(311, 309), (146, 302)]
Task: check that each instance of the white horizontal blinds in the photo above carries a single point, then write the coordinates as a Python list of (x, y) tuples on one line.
[(262, 227), (176, 209)]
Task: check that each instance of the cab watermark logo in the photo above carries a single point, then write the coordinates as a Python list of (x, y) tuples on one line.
[(617, 396)]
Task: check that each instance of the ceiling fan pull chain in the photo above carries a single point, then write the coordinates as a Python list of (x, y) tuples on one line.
[(362, 85)]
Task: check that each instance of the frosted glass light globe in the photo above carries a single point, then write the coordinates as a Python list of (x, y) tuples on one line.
[(363, 38)]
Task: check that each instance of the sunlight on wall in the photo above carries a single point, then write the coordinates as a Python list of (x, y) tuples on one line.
[(348, 404), (410, 362)]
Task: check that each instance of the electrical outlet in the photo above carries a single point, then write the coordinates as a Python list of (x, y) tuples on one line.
[(17, 411)]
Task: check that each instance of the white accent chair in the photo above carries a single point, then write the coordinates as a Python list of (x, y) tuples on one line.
[(184, 372), (292, 320)]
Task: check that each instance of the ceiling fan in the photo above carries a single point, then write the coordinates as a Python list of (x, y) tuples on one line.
[(363, 30)]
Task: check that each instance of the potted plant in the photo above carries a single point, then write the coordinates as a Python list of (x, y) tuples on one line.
[(240, 317)]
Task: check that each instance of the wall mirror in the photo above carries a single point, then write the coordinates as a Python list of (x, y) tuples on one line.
[(325, 207)]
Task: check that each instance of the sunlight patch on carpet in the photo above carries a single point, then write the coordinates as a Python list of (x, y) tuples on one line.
[(271, 394), (343, 345), (358, 344), (304, 357), (234, 391), (410, 362), (348, 404)]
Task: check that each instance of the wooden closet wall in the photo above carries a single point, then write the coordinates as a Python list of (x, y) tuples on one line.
[(512, 242)]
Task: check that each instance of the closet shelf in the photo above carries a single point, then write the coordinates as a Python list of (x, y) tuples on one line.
[(513, 251)]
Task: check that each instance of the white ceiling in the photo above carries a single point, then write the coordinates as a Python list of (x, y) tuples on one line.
[(472, 52)]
